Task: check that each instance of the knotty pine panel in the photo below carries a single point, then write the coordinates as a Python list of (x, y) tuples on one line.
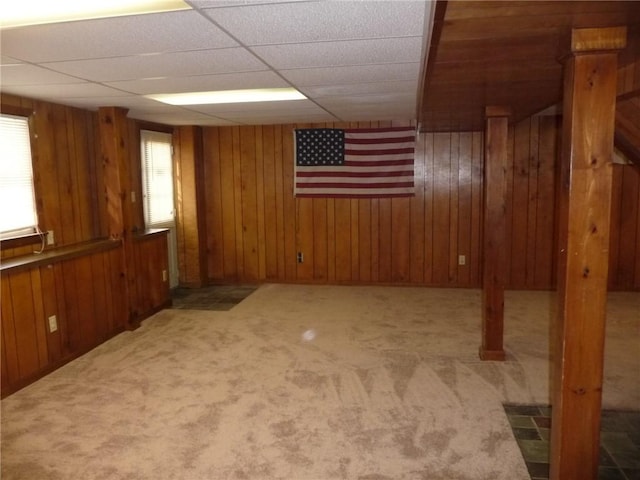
[(65, 173), (255, 227), (86, 296)]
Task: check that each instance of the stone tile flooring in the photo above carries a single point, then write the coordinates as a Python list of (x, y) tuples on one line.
[(213, 297), (619, 441)]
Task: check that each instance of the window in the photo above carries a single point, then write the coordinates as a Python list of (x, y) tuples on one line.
[(157, 178), (17, 196)]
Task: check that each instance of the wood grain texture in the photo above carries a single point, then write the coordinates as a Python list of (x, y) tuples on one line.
[(494, 273), (400, 241), (584, 230)]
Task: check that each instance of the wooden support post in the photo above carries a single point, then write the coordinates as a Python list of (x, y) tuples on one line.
[(584, 215), (494, 233), (114, 145), (191, 221)]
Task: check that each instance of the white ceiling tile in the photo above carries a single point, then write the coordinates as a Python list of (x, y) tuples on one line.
[(258, 107), (179, 118), (5, 60), (355, 100), (146, 66), (275, 119), (27, 74), (360, 89), (112, 37), (298, 22), (202, 83), (58, 92), (352, 74), (354, 52)]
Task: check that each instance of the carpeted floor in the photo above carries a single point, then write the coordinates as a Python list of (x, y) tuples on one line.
[(305, 382)]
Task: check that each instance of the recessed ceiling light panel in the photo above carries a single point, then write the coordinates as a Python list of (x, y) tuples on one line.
[(229, 96), (17, 13)]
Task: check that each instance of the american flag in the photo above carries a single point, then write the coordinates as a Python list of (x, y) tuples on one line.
[(354, 163)]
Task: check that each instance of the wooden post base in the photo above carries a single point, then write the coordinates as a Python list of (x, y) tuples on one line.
[(495, 355)]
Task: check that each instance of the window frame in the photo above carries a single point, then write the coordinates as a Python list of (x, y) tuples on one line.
[(19, 239)]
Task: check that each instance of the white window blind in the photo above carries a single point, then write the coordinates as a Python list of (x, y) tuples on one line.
[(157, 178), (17, 197)]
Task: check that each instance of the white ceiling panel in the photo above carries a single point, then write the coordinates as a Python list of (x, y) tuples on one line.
[(147, 66), (329, 54), (353, 59), (114, 37), (63, 91), (298, 22), (27, 74), (352, 74), (202, 83), (360, 89), (282, 119), (179, 118)]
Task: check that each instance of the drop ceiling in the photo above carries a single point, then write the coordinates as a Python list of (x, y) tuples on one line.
[(353, 60), (438, 62)]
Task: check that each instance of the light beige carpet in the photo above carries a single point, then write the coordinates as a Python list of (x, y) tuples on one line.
[(304, 382)]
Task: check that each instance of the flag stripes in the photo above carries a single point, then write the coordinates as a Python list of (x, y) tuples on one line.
[(375, 162)]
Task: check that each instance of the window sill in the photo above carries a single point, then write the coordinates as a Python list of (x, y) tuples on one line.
[(21, 241)]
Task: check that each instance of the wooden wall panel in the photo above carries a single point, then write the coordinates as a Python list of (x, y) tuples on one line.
[(79, 292), (64, 167), (402, 241), (255, 227)]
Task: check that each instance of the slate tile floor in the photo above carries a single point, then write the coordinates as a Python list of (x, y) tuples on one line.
[(619, 441), (213, 297)]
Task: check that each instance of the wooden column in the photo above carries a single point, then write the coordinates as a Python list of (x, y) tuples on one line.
[(191, 221), (584, 215), (494, 233), (114, 148)]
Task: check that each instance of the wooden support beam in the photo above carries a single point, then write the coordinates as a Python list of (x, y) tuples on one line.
[(191, 219), (114, 149), (494, 233), (584, 216)]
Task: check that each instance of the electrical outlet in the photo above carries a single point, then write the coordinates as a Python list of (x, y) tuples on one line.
[(50, 238), (133, 196), (462, 260), (164, 275), (53, 323), (300, 257)]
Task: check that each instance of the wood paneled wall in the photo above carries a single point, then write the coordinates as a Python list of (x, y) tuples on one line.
[(66, 170), (534, 148), (85, 294), (88, 294), (255, 227)]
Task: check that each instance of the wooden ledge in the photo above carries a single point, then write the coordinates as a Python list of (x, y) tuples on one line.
[(596, 39), (61, 254), (148, 233)]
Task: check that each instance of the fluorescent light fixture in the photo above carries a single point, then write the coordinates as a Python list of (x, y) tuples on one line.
[(229, 96), (20, 13)]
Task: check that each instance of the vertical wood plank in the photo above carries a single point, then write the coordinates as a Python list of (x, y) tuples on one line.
[(248, 188), (227, 192), (320, 256), (214, 206), (24, 319), (429, 188), (452, 277), (520, 210), (288, 204), (441, 217), (270, 203), (464, 208)]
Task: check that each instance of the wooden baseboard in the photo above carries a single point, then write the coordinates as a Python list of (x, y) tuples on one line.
[(492, 355)]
